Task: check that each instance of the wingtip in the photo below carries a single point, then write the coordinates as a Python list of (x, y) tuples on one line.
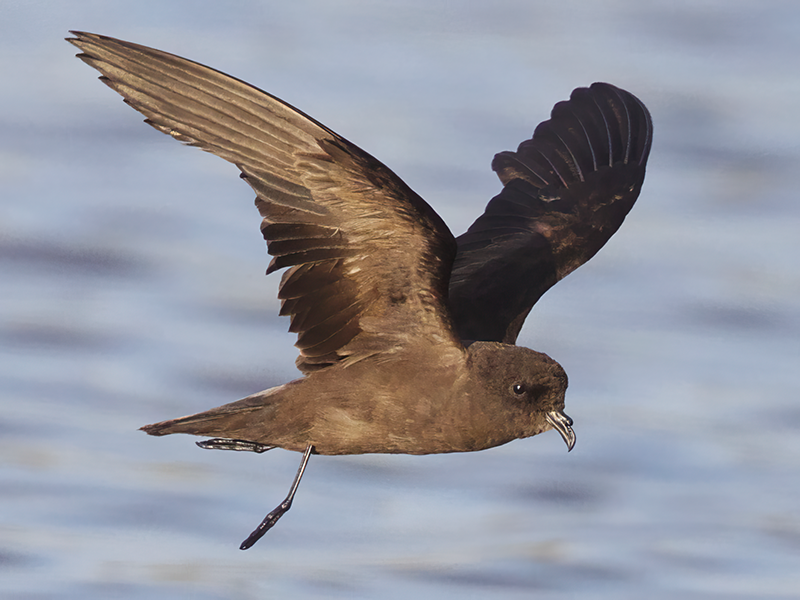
[(85, 37), (77, 36), (156, 429), (640, 120), (81, 39)]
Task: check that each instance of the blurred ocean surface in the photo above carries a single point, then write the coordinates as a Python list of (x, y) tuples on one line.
[(132, 283)]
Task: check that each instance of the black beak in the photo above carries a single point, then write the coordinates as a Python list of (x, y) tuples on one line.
[(563, 425)]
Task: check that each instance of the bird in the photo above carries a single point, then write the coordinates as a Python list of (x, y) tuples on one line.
[(406, 334)]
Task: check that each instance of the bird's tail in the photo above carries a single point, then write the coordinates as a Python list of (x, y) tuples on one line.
[(237, 420)]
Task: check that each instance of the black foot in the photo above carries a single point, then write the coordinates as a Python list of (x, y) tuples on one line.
[(272, 518), (267, 524), (237, 445)]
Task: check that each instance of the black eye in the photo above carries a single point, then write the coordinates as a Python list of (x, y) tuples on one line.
[(518, 388)]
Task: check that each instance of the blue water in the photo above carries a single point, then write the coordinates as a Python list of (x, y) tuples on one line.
[(133, 291)]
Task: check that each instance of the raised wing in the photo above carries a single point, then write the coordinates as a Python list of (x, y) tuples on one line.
[(566, 192), (368, 260)]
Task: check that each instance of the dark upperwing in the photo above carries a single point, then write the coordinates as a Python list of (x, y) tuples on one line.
[(566, 192), (368, 260)]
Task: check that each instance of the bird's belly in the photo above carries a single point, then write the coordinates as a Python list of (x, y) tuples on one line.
[(340, 431)]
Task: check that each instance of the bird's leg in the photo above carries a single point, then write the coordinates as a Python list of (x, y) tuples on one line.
[(237, 445), (282, 508)]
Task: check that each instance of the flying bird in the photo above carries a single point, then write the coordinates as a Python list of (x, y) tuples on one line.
[(406, 335)]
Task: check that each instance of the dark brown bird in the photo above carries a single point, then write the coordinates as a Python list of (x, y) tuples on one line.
[(406, 335)]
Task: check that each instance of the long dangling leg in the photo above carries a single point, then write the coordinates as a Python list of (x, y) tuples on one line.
[(272, 518), (237, 445)]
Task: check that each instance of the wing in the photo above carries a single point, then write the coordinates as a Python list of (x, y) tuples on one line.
[(566, 191), (368, 260)]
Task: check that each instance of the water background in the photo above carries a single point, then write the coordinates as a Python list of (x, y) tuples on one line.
[(132, 290)]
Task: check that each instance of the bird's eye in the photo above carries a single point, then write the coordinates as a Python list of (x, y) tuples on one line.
[(518, 388)]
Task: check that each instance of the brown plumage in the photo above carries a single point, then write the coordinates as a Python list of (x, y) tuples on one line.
[(378, 291)]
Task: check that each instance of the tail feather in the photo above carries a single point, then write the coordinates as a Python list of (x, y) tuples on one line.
[(246, 419), (211, 422)]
